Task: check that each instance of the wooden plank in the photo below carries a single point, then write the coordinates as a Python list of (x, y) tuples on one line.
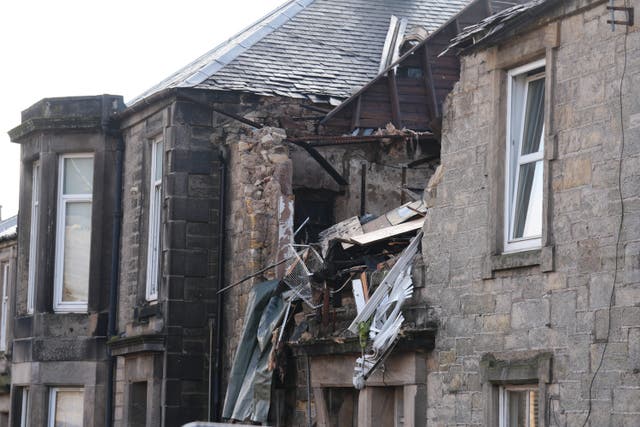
[(355, 116), (432, 102), (365, 286), (387, 232), (395, 103)]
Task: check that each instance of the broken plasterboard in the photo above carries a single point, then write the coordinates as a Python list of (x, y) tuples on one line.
[(343, 230), (385, 233), (396, 216)]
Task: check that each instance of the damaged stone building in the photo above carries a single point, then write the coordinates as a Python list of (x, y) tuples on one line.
[(468, 170)]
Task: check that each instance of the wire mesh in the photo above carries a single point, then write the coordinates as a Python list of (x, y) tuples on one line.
[(303, 262)]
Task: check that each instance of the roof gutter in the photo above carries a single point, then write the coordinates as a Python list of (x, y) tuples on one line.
[(146, 102)]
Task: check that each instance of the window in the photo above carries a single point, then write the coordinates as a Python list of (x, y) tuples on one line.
[(5, 306), (155, 209), (33, 236), (66, 407), (73, 233), (524, 162), (23, 406), (519, 406), (138, 404)]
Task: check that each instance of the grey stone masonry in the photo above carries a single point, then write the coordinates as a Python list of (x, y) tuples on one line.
[(54, 348), (577, 298), (176, 326)]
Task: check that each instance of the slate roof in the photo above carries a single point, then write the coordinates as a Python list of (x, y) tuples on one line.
[(308, 48), (8, 228)]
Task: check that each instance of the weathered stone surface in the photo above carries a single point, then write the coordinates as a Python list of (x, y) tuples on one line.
[(562, 304)]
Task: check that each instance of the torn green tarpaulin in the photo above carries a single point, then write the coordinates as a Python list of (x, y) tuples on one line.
[(249, 391)]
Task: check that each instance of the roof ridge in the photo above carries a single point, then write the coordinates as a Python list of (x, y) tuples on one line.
[(209, 63)]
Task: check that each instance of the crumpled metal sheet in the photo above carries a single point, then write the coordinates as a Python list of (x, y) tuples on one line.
[(249, 392), (476, 33)]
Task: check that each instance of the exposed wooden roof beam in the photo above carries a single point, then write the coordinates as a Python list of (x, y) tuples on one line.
[(355, 117), (395, 100)]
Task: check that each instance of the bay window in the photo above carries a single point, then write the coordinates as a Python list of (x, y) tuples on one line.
[(524, 157), (155, 210), (73, 233)]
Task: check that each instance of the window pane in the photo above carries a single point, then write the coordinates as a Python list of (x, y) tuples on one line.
[(24, 406), (77, 248), (69, 408), (33, 236), (522, 408), (78, 175), (138, 404), (158, 154), (517, 402), (528, 213), (534, 118), (154, 244)]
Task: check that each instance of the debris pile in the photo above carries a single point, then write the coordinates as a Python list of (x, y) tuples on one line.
[(361, 267)]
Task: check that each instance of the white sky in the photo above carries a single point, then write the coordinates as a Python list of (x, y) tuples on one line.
[(83, 47)]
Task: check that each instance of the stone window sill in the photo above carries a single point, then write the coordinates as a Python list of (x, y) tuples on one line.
[(542, 257)]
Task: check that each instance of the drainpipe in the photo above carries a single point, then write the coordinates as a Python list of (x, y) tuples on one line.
[(113, 280), (217, 371)]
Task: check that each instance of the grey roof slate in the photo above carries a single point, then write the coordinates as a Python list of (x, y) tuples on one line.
[(8, 228), (308, 48)]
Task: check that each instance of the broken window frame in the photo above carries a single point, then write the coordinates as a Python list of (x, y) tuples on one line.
[(505, 396), (65, 199), (518, 83), (154, 220), (33, 236)]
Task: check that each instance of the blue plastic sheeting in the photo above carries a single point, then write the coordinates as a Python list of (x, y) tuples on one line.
[(249, 391)]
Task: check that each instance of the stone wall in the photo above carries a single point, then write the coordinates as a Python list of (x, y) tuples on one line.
[(260, 219), (189, 232), (567, 299)]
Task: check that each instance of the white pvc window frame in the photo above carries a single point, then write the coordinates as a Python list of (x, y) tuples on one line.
[(5, 306), (64, 200), (53, 400), (33, 236), (154, 220), (516, 104), (24, 407), (531, 414)]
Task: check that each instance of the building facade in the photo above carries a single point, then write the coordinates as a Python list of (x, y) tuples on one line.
[(145, 229), (531, 247), (8, 254)]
